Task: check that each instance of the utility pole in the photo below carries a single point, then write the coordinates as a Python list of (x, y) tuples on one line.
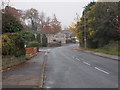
[(85, 41)]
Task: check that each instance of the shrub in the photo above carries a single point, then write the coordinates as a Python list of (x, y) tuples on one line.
[(7, 45), (55, 44), (10, 23), (44, 41), (12, 44), (0, 45), (27, 36), (11, 26), (33, 44), (39, 36), (112, 46)]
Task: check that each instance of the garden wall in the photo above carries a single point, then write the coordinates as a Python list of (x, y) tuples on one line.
[(8, 61)]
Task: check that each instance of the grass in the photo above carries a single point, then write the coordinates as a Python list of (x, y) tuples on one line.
[(111, 52), (108, 52), (111, 48)]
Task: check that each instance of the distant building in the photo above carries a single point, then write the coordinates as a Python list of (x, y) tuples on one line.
[(63, 36), (60, 37)]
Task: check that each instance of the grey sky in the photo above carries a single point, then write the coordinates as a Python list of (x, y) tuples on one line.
[(65, 11)]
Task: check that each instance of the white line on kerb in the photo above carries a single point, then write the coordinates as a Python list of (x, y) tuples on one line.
[(101, 70), (86, 63)]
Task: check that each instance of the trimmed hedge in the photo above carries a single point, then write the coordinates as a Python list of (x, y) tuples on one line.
[(33, 44)]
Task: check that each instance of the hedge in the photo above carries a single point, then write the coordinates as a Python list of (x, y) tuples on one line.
[(12, 44), (33, 44)]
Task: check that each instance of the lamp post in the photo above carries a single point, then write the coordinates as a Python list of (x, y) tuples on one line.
[(85, 41)]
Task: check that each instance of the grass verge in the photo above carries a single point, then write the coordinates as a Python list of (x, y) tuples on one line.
[(115, 52)]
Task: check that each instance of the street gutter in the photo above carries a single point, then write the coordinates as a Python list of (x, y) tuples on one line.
[(42, 75)]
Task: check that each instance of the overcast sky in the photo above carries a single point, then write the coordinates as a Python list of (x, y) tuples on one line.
[(65, 11)]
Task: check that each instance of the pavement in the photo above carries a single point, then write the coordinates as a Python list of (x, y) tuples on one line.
[(69, 68), (26, 75)]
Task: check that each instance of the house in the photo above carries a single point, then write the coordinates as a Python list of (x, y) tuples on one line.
[(64, 36), (59, 37)]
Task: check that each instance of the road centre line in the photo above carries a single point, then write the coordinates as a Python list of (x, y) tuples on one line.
[(86, 63), (78, 59), (101, 70), (90, 65)]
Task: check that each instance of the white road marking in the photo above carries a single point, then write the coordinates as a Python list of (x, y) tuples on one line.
[(48, 87), (78, 59), (101, 70), (86, 63), (46, 53), (90, 65)]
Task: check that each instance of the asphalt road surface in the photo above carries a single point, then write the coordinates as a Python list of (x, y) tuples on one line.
[(68, 68)]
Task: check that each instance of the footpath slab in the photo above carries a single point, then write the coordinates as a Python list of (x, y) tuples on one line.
[(26, 75)]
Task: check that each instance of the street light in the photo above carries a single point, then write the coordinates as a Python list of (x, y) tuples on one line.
[(85, 41)]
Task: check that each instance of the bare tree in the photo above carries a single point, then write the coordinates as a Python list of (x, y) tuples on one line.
[(33, 15), (55, 24), (41, 20)]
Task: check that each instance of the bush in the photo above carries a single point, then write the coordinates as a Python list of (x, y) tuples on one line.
[(33, 44), (55, 44), (27, 36), (0, 45), (112, 46), (12, 44), (7, 45), (39, 38), (11, 25), (44, 41)]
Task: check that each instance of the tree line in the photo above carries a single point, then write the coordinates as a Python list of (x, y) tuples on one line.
[(100, 23), (25, 28)]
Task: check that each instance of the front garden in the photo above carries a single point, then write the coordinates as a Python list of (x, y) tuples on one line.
[(18, 43)]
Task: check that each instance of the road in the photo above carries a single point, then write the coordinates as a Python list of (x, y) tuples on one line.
[(68, 68), (65, 68)]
